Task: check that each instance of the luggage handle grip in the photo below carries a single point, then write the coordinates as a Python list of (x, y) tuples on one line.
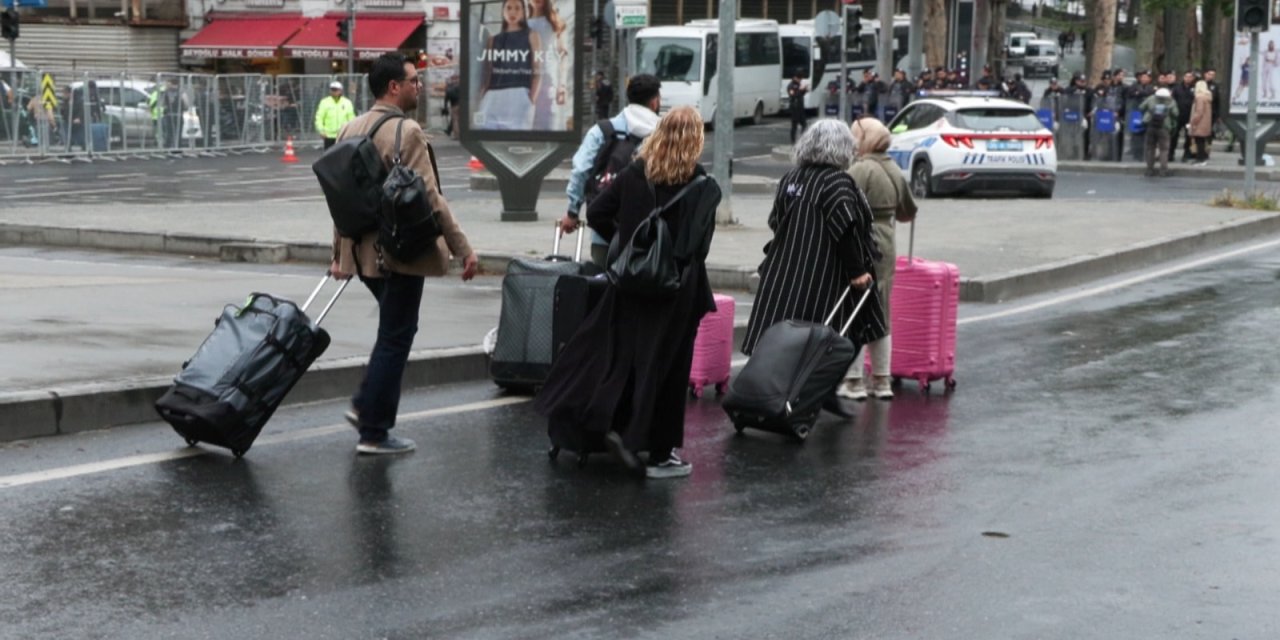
[(555, 246), (844, 296), (311, 298)]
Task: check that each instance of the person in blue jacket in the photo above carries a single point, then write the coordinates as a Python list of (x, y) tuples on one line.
[(636, 121)]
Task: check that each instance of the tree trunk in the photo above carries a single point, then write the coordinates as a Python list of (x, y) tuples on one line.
[(1177, 36), (1146, 44), (1101, 37), (995, 45), (981, 31), (935, 28), (1209, 42), (1134, 7)]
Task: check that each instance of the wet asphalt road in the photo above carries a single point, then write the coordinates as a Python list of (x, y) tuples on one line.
[(1106, 469), (262, 179)]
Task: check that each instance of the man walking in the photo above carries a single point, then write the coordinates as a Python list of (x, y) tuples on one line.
[(796, 91), (333, 113), (1159, 117), (396, 286), (598, 158), (604, 95)]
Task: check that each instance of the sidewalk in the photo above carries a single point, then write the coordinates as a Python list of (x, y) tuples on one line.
[(104, 337)]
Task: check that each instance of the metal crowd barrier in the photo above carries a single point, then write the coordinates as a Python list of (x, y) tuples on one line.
[(108, 115)]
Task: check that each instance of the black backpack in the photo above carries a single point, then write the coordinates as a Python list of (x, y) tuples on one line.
[(617, 152), (408, 226), (351, 174)]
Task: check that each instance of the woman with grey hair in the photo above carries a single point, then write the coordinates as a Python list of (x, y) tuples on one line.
[(889, 197), (821, 242)]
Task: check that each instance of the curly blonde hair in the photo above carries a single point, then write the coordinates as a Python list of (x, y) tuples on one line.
[(671, 152)]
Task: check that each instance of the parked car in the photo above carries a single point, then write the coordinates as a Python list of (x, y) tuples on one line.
[(954, 143), (1015, 45), (1042, 57), (125, 107)]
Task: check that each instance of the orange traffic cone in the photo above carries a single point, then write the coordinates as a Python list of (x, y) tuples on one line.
[(475, 164), (289, 156)]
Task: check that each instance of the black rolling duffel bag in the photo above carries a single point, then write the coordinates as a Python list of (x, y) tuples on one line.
[(228, 390), (793, 369)]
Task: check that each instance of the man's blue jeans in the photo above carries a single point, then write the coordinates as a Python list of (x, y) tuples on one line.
[(378, 399)]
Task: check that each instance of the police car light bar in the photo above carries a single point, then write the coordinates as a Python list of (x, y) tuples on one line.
[(958, 93)]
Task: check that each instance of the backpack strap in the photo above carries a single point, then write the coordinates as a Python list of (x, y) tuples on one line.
[(611, 140), (380, 121), (697, 180)]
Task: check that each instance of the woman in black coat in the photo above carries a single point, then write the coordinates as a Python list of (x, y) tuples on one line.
[(821, 244), (623, 377)]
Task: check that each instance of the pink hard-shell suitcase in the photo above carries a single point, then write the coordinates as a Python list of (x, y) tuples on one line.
[(713, 349), (924, 301)]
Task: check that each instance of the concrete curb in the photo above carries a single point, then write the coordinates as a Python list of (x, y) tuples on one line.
[(1074, 272), (558, 180), (79, 408), (241, 249)]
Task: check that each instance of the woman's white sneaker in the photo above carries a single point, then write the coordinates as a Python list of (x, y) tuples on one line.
[(852, 389)]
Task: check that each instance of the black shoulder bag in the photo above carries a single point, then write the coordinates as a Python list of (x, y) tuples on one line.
[(647, 265), (408, 227)]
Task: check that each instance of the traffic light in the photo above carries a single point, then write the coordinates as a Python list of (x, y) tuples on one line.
[(344, 30), (853, 27), (1252, 15), (9, 24)]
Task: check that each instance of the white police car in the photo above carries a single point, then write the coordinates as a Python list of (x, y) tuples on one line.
[(949, 142)]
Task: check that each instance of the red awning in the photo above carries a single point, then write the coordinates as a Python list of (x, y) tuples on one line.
[(242, 36), (375, 35)]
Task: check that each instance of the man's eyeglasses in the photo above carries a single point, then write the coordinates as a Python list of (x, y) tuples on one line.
[(414, 80)]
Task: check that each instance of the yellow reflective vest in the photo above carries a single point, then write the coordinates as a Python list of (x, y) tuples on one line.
[(332, 114)]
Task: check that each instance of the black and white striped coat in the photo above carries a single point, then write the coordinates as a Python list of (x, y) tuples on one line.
[(821, 226)]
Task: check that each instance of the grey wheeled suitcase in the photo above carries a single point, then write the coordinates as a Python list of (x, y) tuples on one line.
[(794, 368), (543, 302), (228, 390)]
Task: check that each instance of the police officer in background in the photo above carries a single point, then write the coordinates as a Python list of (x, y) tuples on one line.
[(1079, 97), (1053, 90), (796, 91)]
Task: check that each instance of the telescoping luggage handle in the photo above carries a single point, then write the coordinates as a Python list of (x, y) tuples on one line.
[(911, 244), (844, 296), (555, 246), (311, 298)]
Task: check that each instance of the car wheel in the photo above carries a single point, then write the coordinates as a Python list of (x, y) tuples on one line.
[(921, 178), (757, 118), (1045, 193)]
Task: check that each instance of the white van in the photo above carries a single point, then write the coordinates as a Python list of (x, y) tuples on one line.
[(1042, 58), (1015, 44)]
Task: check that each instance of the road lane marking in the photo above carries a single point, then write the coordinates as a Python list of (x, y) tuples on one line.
[(82, 192), (118, 176), (74, 471), (263, 181), (196, 172), (35, 180), (1127, 282)]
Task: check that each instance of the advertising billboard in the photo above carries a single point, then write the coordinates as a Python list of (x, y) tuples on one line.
[(1265, 71), (521, 65)]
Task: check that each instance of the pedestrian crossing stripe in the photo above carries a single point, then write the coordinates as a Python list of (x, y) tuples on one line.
[(47, 95)]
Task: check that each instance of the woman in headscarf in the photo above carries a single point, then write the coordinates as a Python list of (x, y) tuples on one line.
[(623, 377), (889, 196), (821, 242)]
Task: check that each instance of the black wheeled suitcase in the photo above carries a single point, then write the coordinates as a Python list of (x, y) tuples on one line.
[(794, 368), (228, 390), (543, 303)]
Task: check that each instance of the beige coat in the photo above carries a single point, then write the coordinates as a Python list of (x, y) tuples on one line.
[(1202, 115), (414, 150)]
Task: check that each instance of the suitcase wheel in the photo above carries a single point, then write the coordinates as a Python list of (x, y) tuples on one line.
[(582, 460), (553, 453), (722, 388), (695, 390), (951, 384), (802, 432)]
